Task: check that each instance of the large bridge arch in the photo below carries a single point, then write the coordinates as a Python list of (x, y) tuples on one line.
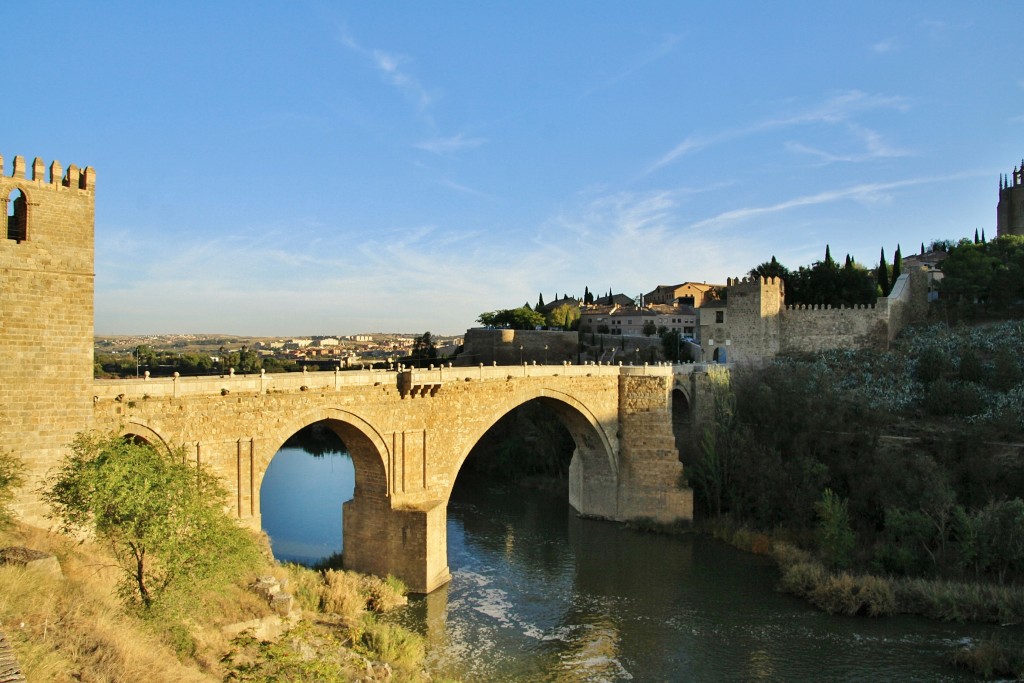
[(593, 471), (364, 442)]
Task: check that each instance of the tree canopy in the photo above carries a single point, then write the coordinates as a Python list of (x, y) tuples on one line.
[(163, 519), (984, 272), (423, 349), (824, 282), (565, 316), (522, 318)]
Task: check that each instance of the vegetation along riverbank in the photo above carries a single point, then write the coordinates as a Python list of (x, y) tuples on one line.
[(882, 482), (178, 592)]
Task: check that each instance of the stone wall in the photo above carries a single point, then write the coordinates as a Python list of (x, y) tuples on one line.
[(46, 305), (758, 326), (489, 346)]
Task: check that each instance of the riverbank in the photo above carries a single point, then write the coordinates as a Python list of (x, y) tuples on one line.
[(72, 625), (860, 594)]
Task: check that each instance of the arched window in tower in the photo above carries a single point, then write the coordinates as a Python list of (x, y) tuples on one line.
[(17, 216)]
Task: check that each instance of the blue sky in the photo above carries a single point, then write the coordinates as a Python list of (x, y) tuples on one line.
[(329, 168)]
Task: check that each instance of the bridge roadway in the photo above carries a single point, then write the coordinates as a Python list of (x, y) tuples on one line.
[(409, 431)]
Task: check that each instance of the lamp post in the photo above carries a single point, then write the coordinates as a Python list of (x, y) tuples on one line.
[(520, 354), (545, 354)]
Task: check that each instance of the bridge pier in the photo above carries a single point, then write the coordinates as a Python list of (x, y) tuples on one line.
[(409, 543)]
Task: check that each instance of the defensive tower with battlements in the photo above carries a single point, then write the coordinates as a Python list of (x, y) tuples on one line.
[(46, 308), (1010, 211)]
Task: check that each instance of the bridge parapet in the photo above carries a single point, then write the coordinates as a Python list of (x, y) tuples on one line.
[(172, 387), (426, 379)]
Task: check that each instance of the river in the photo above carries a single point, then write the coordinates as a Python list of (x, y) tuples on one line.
[(538, 594)]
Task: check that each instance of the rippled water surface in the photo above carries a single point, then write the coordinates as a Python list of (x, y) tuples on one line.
[(538, 594)]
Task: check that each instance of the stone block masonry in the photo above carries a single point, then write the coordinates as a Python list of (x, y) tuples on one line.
[(46, 305), (408, 432)]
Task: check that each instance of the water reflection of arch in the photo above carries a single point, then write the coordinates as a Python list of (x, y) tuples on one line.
[(596, 452)]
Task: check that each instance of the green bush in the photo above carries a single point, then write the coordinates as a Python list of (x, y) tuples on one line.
[(11, 477), (162, 519)]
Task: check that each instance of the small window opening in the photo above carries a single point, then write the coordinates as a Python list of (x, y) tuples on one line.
[(17, 214)]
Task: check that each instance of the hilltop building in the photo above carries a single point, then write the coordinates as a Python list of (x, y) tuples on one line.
[(1010, 210), (630, 320), (695, 294)]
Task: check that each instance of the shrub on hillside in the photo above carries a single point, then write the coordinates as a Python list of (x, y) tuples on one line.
[(11, 477), (162, 519)]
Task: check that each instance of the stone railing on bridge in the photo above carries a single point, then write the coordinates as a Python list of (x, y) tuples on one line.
[(415, 381)]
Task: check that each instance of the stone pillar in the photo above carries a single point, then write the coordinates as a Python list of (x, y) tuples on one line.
[(592, 488), (649, 467), (409, 543)]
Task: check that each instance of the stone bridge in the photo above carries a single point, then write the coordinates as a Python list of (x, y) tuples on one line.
[(410, 431)]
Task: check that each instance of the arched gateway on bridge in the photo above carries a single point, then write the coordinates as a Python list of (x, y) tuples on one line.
[(408, 432)]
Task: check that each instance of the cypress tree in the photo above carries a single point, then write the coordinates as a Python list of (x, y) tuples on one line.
[(976, 240), (828, 258), (882, 274), (540, 301), (922, 248), (983, 236), (849, 263), (897, 263)]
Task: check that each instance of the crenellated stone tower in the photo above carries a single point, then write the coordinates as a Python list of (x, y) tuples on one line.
[(46, 314), (1010, 211)]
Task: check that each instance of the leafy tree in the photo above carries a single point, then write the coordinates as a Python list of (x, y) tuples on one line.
[(825, 283), (650, 328), (423, 349), (711, 475), (523, 318), (984, 273), (835, 537), (771, 269), (12, 475), (565, 316), (162, 519), (1006, 372)]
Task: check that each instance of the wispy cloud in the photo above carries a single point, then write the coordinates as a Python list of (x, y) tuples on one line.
[(875, 147), (465, 189), (392, 67), (865, 192), (663, 48), (884, 46), (455, 143), (835, 110)]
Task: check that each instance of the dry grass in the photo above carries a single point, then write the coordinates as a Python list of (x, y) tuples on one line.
[(75, 629)]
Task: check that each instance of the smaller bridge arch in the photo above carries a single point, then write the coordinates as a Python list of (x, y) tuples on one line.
[(140, 432)]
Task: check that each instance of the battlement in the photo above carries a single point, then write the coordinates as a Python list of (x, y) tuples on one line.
[(1014, 179), (752, 281), (74, 178), (829, 307)]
